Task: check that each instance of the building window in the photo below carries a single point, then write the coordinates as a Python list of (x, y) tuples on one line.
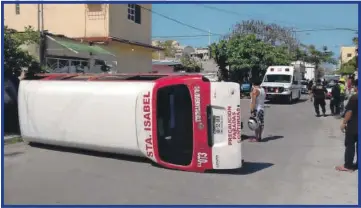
[(134, 13), (349, 55), (17, 9)]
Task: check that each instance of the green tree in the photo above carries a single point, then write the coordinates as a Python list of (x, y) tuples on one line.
[(218, 52), (355, 41), (349, 67), (248, 54), (169, 49), (14, 57), (317, 57)]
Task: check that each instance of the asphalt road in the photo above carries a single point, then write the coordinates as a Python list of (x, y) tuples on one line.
[(295, 165)]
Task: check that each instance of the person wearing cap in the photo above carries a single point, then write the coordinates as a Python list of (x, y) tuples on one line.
[(319, 97), (349, 125)]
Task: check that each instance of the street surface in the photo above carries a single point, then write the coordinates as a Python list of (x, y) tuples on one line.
[(295, 165)]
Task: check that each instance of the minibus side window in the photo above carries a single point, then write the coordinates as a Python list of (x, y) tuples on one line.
[(174, 125)]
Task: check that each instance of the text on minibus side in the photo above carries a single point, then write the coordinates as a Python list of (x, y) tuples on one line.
[(234, 125), (148, 124), (202, 158), (197, 104)]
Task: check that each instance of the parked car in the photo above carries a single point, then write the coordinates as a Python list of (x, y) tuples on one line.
[(246, 88)]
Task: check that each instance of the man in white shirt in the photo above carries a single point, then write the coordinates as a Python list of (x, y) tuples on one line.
[(258, 97)]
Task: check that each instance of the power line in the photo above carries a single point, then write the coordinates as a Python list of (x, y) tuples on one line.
[(242, 14), (183, 36), (297, 31), (209, 34), (177, 21), (327, 29)]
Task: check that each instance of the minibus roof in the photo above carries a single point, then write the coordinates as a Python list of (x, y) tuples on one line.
[(111, 77)]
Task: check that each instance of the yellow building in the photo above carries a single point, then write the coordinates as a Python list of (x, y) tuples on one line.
[(123, 29), (347, 53)]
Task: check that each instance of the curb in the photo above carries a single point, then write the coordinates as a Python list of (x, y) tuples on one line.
[(12, 139)]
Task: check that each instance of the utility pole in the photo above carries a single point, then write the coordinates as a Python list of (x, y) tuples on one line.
[(42, 47), (42, 17), (38, 17), (209, 37)]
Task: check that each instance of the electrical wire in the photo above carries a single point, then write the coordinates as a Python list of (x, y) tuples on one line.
[(177, 21), (243, 14), (228, 12), (297, 31)]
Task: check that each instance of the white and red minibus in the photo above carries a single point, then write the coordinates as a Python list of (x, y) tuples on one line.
[(178, 121)]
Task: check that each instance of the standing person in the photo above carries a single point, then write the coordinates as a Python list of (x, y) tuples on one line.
[(342, 94), (349, 84), (319, 98), (349, 126), (258, 97), (335, 99), (324, 82), (309, 87), (11, 86)]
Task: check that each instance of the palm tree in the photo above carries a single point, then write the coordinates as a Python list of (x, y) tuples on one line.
[(355, 41), (317, 57)]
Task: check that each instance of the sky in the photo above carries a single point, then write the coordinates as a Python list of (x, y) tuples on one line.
[(221, 20)]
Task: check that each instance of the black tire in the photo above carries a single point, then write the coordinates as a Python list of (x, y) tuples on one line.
[(289, 99)]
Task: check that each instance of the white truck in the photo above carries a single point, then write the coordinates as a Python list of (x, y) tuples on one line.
[(283, 82)]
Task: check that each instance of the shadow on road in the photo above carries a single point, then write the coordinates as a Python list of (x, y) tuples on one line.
[(270, 138), (265, 139), (90, 153), (13, 154), (282, 102), (248, 168)]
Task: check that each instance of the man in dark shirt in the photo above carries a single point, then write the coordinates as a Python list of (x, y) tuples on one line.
[(11, 85), (349, 124), (335, 99), (310, 85), (319, 97)]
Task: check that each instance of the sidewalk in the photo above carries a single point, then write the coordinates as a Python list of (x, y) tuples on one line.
[(11, 136)]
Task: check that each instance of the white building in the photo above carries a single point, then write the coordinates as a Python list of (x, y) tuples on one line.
[(309, 72), (202, 53)]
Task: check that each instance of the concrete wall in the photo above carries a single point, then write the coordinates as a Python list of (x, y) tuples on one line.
[(93, 20), (66, 19), (131, 58), (121, 27), (345, 51), (83, 20)]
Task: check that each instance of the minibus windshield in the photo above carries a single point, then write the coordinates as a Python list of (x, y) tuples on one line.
[(174, 125), (278, 78)]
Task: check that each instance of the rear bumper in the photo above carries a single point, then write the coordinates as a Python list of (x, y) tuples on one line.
[(227, 159), (226, 121)]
